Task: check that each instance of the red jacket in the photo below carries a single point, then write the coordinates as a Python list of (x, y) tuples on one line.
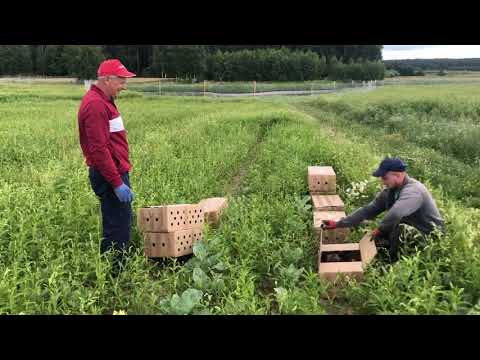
[(103, 137)]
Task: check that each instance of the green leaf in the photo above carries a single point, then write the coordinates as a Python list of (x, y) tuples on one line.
[(186, 303), (291, 274), (200, 250), (220, 266), (193, 263), (281, 294), (165, 303), (297, 254), (200, 279), (177, 306), (203, 312), (212, 260)]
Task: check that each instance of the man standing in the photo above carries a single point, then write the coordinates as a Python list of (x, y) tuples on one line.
[(103, 140), (406, 200)]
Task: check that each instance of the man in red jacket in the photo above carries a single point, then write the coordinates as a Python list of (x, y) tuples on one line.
[(103, 139)]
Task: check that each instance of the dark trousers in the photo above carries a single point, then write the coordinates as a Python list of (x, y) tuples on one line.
[(116, 216), (394, 243), (391, 242)]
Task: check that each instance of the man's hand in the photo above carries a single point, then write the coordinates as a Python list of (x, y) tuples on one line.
[(329, 224), (376, 233), (124, 193)]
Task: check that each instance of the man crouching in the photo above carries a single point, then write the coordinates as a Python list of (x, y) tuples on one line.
[(406, 200)]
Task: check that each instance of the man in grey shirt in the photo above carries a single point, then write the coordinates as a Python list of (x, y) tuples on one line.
[(406, 200)]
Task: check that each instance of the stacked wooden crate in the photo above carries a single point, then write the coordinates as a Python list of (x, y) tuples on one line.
[(336, 256), (322, 182), (170, 231)]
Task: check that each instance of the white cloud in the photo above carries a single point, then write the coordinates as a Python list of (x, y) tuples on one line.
[(404, 47), (397, 52)]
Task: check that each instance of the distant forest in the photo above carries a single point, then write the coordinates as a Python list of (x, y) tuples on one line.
[(416, 66), (211, 62)]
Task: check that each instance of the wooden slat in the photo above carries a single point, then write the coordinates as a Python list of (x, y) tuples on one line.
[(368, 249), (327, 203)]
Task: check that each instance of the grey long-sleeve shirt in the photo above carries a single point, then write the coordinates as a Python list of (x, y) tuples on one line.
[(412, 204)]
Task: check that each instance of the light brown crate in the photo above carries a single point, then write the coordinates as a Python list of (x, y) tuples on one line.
[(327, 203), (213, 208), (173, 244), (331, 270), (170, 218), (194, 216), (322, 180), (333, 236), (368, 249)]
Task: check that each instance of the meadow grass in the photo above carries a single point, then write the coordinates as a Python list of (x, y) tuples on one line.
[(263, 257)]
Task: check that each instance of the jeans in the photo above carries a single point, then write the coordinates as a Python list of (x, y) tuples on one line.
[(116, 216)]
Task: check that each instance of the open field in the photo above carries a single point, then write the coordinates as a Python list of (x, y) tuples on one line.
[(263, 258)]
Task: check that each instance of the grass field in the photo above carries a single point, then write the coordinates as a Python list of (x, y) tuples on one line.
[(262, 259), (170, 87)]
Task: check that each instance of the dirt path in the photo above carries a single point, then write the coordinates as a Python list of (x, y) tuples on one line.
[(235, 186)]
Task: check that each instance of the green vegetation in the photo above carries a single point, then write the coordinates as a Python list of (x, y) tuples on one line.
[(262, 259)]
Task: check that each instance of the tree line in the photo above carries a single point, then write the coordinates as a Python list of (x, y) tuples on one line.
[(418, 66), (211, 62)]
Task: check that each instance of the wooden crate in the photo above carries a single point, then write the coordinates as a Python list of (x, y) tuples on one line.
[(327, 203), (322, 180), (170, 218), (172, 244), (350, 260), (334, 236)]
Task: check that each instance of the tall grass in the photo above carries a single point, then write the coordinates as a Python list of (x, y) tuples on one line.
[(436, 130), (263, 257)]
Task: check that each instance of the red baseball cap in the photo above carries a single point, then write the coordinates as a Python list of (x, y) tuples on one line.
[(114, 67)]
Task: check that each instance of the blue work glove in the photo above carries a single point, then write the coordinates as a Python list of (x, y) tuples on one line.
[(124, 193)]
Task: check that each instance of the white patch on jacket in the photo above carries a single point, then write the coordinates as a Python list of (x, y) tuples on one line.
[(116, 125)]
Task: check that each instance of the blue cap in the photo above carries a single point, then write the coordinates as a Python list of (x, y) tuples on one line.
[(390, 164)]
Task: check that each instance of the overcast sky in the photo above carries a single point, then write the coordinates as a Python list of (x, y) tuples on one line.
[(397, 52)]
